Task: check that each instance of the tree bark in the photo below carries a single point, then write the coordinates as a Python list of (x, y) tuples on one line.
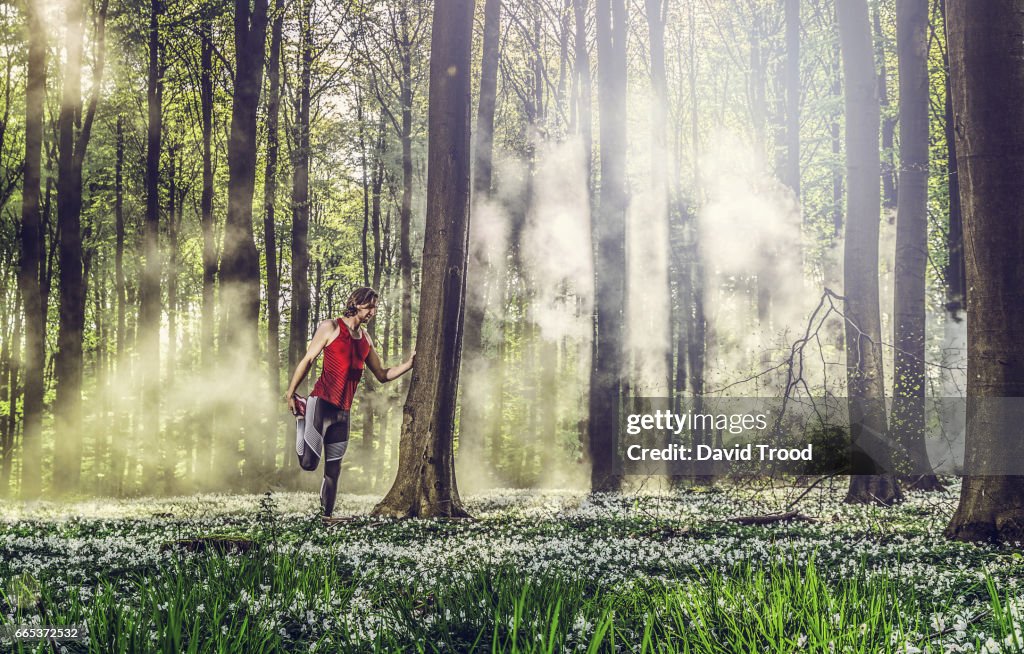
[(31, 256), (609, 242), (888, 166), (472, 421), (270, 223), (791, 174), (240, 262), (149, 283), (119, 235), (405, 222), (239, 270), (985, 50), (908, 408), (866, 394), (8, 430), (425, 485), (71, 154), (300, 195), (956, 274), (662, 169), (207, 307)]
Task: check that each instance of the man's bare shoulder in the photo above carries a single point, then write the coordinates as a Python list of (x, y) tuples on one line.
[(327, 327)]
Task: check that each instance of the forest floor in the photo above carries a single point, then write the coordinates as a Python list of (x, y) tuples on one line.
[(536, 571)]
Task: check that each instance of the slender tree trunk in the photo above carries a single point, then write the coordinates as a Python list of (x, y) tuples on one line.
[(240, 265), (405, 223), (119, 235), (68, 409), (10, 424), (657, 244), (300, 198), (888, 166), (985, 51), (609, 243), (239, 271), (586, 99), (71, 154), (31, 255), (791, 174), (477, 373), (149, 284), (175, 199), (270, 234), (956, 274), (207, 308), (866, 394), (836, 137), (425, 485), (912, 242)]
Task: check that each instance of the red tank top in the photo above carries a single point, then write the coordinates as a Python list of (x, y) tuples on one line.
[(344, 359)]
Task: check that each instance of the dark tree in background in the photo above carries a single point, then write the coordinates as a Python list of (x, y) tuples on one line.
[(269, 198), (75, 128), (32, 243), (987, 80), (907, 420), (425, 485), (300, 190), (956, 275), (609, 227), (865, 380), (149, 285), (472, 423), (239, 270)]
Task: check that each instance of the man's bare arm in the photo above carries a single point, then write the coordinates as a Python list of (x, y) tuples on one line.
[(316, 346), (383, 374)]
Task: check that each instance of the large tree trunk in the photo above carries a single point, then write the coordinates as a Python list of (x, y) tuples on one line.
[(907, 421), (300, 198), (270, 233), (425, 485), (71, 154), (866, 394), (30, 264), (149, 284), (985, 50), (609, 240)]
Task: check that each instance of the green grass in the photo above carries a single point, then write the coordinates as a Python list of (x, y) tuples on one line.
[(532, 575)]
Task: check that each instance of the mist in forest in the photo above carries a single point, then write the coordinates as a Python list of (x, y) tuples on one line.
[(750, 230), (554, 324)]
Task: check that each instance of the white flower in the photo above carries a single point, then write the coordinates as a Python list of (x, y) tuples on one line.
[(990, 647)]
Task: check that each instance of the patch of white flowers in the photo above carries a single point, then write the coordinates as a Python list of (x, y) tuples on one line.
[(537, 534)]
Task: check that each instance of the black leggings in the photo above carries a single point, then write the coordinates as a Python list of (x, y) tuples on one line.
[(336, 433)]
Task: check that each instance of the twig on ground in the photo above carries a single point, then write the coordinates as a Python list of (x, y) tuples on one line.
[(772, 518)]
